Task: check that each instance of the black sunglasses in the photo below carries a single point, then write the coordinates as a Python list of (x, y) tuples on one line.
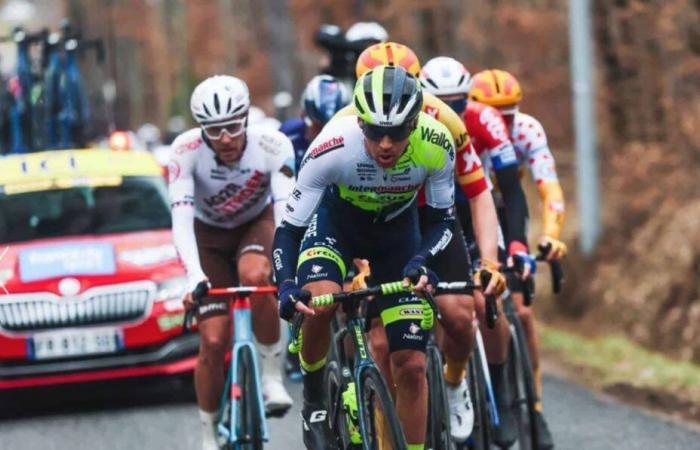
[(398, 133)]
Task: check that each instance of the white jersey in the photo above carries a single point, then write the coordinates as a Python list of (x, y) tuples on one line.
[(337, 157), (225, 196), (531, 148)]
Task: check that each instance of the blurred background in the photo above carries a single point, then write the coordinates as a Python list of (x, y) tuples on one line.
[(640, 281)]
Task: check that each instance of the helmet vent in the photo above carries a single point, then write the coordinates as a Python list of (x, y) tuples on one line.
[(228, 107), (359, 107), (206, 110), (217, 106), (495, 82)]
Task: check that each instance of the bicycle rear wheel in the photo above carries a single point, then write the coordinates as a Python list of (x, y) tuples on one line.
[(380, 424), (250, 416), (438, 436), (480, 438)]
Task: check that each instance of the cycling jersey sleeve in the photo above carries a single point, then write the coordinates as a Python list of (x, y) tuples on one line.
[(439, 209), (282, 178), (313, 178), (181, 189), (470, 174), (544, 173), (508, 179)]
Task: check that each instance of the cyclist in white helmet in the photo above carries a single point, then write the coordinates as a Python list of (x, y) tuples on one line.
[(228, 185)]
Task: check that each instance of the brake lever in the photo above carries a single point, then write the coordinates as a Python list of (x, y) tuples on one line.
[(200, 291), (491, 307)]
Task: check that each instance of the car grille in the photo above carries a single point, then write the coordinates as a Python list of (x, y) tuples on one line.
[(104, 304)]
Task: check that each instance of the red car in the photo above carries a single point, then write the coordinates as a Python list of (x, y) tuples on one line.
[(90, 282)]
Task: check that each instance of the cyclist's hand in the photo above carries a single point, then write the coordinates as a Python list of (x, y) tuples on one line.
[(524, 263), (359, 281), (188, 300), (497, 282), (416, 272), (557, 249), (292, 299)]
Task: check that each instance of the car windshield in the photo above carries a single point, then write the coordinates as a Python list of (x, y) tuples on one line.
[(133, 204)]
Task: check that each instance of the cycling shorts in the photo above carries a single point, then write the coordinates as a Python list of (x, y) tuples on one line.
[(220, 249), (453, 263), (338, 234)]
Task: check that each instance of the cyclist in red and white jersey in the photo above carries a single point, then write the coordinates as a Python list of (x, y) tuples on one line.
[(450, 81), (502, 90), (228, 186)]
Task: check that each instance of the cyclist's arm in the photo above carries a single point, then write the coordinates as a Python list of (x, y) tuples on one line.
[(505, 164), (181, 189), (282, 178), (299, 209), (485, 224), (544, 173), (439, 208), (508, 179)]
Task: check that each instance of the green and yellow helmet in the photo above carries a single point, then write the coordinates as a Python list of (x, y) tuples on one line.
[(387, 96)]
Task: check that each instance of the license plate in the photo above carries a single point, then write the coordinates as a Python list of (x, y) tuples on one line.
[(61, 344)]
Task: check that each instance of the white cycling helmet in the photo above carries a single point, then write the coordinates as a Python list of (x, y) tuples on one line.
[(219, 99), (365, 31), (443, 76)]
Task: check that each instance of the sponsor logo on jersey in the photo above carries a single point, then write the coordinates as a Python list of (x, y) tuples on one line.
[(432, 111), (277, 258), (212, 307), (233, 196), (296, 194), (188, 146), (366, 172), (173, 171), (437, 138), (385, 189), (411, 312), (333, 144)]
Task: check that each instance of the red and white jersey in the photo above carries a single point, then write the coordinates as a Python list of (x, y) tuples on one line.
[(221, 195), (531, 148), (489, 134)]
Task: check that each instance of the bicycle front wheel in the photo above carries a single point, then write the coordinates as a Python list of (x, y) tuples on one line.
[(380, 426), (439, 435), (250, 416), (521, 382), (480, 438)]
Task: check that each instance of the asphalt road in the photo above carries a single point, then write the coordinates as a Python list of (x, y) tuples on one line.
[(161, 414)]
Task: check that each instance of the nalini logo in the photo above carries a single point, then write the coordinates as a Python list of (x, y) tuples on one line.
[(316, 268), (2, 282), (414, 329)]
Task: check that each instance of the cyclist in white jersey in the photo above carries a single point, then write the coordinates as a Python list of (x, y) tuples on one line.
[(227, 181)]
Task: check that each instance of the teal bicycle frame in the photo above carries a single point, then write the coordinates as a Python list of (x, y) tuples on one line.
[(227, 426)]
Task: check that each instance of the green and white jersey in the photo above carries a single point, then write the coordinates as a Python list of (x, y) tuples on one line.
[(338, 159)]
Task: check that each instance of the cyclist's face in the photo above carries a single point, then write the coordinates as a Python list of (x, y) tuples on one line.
[(230, 143), (385, 150)]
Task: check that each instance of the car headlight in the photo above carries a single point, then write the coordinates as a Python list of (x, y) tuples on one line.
[(172, 289), (149, 255)]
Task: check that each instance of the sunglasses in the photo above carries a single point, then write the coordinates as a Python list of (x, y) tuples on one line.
[(232, 129), (458, 105), (398, 133)]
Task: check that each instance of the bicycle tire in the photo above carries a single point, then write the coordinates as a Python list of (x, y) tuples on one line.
[(528, 381), (337, 417), (480, 438), (522, 400), (250, 417), (438, 436), (374, 393)]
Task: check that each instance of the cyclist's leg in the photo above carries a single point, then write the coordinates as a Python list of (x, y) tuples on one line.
[(255, 269), (401, 315), (216, 249), (321, 269)]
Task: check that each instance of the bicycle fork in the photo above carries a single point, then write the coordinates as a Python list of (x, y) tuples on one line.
[(495, 420), (242, 338)]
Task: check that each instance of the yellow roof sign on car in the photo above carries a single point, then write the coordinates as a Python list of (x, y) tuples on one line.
[(44, 170)]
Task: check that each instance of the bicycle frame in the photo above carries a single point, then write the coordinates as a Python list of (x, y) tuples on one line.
[(242, 337)]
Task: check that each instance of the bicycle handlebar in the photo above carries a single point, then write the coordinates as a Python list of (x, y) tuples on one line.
[(202, 290), (555, 268)]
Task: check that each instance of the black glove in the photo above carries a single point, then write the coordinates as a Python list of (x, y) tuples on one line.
[(289, 295)]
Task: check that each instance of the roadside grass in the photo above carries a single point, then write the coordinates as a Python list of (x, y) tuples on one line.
[(613, 359)]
